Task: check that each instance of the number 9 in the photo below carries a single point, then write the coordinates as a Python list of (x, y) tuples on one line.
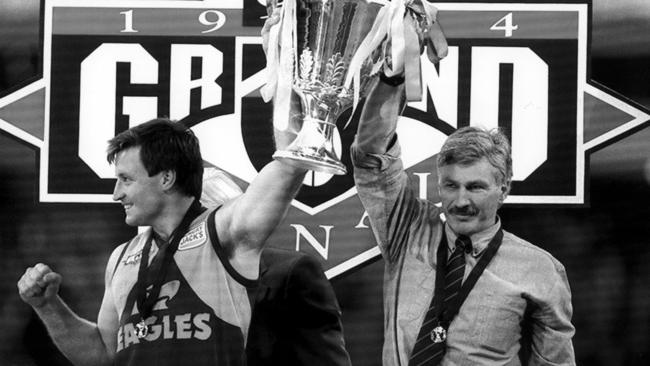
[(216, 24)]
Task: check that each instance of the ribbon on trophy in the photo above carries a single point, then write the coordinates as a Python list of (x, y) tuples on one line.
[(405, 26), (270, 44), (281, 58)]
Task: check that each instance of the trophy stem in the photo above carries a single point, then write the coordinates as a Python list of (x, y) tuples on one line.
[(313, 148)]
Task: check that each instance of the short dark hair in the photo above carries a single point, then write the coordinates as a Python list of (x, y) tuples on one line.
[(469, 144), (164, 145)]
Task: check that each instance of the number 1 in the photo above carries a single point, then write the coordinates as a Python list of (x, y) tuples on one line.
[(128, 22)]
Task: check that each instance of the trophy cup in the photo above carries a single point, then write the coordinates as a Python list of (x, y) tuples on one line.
[(318, 48)]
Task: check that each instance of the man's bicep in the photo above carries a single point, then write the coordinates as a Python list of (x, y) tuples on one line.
[(255, 214)]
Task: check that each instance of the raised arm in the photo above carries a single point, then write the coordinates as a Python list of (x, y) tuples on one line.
[(245, 223), (255, 214), (376, 131), (379, 175)]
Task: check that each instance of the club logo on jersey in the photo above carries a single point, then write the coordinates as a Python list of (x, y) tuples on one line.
[(167, 292), (163, 325), (521, 67), (183, 326)]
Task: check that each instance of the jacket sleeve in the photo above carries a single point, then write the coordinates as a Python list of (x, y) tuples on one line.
[(398, 218), (318, 331), (552, 329)]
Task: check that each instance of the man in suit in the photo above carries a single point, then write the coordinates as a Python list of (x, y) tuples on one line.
[(296, 318)]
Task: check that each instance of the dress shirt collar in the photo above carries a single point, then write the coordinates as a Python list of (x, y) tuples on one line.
[(480, 240)]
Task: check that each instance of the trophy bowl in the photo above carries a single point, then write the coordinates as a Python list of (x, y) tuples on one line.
[(327, 36)]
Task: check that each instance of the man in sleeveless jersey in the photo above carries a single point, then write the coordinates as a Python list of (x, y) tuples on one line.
[(177, 293)]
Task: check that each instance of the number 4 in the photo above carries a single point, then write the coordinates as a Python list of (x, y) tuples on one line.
[(505, 24)]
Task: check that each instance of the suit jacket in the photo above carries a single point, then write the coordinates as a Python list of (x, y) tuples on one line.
[(296, 318)]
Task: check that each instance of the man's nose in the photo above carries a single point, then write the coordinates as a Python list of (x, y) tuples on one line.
[(117, 191), (463, 198)]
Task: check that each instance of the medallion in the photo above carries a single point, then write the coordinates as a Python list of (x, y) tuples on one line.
[(438, 334), (141, 329)]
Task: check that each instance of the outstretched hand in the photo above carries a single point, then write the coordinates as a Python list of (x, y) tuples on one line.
[(39, 285)]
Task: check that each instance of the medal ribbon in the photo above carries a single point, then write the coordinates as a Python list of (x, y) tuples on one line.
[(445, 316), (158, 268)]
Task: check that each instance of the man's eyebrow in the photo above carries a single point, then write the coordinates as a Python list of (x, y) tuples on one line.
[(477, 181)]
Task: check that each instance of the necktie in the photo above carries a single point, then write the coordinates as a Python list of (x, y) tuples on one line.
[(430, 345)]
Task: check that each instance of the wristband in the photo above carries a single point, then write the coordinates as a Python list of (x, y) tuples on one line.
[(396, 80)]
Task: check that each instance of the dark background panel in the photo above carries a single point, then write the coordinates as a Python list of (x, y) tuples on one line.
[(69, 174), (556, 176)]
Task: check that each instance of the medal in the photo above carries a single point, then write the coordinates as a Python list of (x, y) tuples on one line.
[(141, 329), (438, 334)]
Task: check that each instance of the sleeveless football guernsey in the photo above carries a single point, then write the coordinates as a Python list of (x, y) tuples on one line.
[(203, 310)]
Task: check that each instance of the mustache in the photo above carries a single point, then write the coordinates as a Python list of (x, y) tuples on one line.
[(465, 210)]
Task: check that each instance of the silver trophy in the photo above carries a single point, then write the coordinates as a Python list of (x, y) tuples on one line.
[(329, 51), (328, 33)]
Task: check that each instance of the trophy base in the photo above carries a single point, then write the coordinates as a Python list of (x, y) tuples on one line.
[(317, 163)]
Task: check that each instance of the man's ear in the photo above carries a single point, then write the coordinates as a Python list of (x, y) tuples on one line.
[(168, 179), (505, 189)]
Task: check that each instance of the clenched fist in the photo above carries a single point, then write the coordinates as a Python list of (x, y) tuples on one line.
[(39, 285)]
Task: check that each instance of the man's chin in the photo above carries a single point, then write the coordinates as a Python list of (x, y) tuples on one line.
[(462, 226), (131, 221)]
